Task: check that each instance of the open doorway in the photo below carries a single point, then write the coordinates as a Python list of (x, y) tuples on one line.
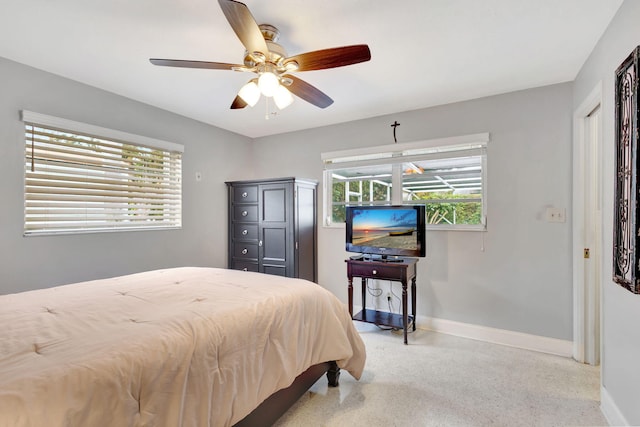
[(587, 228)]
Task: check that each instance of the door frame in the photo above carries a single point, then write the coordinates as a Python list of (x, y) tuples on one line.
[(586, 303)]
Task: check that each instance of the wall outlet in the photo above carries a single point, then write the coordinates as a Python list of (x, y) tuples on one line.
[(556, 214)]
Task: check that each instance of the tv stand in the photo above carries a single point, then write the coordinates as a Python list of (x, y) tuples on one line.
[(403, 271)]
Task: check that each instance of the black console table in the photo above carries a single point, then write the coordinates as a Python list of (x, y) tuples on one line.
[(402, 272)]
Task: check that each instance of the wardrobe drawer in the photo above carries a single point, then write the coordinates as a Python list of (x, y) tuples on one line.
[(245, 194), (244, 231), (245, 250), (245, 213), (245, 266)]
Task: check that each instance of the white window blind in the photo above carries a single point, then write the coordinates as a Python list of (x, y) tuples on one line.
[(83, 178)]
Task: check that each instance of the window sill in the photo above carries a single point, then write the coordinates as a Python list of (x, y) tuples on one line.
[(429, 228)]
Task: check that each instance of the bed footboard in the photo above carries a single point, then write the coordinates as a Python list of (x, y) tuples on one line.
[(278, 403)]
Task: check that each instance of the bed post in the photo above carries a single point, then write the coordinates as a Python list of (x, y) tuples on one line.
[(333, 374)]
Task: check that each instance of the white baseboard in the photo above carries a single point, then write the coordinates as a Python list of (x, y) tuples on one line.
[(610, 410), (497, 336)]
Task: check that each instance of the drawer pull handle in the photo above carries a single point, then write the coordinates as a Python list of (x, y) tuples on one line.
[(245, 213), (244, 232), (244, 251), (245, 194), (375, 272)]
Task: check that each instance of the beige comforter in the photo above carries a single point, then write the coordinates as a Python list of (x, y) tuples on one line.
[(175, 347)]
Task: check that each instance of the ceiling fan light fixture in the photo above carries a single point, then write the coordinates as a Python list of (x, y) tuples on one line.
[(291, 66), (268, 83), (282, 97), (250, 93)]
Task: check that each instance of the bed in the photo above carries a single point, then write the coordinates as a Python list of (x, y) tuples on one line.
[(175, 347)]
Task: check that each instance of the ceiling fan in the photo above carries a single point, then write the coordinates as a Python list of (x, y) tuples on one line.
[(265, 57)]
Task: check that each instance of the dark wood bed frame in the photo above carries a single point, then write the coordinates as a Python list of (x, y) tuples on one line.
[(278, 403)]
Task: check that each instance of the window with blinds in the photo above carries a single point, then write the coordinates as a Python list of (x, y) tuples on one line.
[(83, 178)]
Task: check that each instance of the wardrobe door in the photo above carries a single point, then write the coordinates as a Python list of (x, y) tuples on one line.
[(275, 229)]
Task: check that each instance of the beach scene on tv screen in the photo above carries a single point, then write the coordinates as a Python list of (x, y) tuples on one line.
[(385, 228)]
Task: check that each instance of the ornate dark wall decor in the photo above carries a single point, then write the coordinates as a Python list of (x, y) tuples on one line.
[(626, 231)]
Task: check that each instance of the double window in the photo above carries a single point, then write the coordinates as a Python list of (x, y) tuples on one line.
[(447, 175), (84, 178)]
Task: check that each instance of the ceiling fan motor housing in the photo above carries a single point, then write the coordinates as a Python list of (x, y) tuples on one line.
[(276, 52)]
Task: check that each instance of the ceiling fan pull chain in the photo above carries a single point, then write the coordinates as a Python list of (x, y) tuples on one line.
[(266, 108), (268, 113)]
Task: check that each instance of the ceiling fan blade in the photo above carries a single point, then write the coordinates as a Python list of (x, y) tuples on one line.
[(331, 58), (244, 25), (238, 103), (193, 64), (309, 93)]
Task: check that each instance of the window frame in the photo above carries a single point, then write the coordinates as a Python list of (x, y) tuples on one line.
[(163, 181), (397, 154)]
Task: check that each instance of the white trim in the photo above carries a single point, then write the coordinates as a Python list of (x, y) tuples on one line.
[(478, 138), (492, 335), (610, 410), (459, 227), (87, 129), (593, 100), (396, 182), (333, 163), (326, 203), (444, 227), (497, 336)]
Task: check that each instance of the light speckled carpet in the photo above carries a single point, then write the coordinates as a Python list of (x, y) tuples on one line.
[(442, 380)]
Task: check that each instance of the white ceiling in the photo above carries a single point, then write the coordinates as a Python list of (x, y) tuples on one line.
[(424, 52)]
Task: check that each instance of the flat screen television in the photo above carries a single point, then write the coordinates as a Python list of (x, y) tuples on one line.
[(386, 232)]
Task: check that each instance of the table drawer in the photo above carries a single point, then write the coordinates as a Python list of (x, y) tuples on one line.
[(243, 231), (377, 271), (245, 194), (245, 250), (245, 213)]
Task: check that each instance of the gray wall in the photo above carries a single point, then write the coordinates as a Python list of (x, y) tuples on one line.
[(43, 261), (521, 281), (621, 309)]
